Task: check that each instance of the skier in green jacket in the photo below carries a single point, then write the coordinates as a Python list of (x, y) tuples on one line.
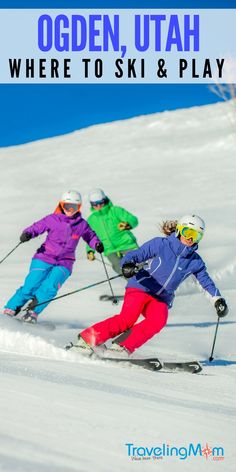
[(113, 225)]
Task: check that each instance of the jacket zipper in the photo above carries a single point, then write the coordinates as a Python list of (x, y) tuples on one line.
[(171, 274)]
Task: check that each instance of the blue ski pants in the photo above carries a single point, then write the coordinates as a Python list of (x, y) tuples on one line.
[(43, 282)]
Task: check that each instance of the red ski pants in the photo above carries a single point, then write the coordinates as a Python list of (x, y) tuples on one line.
[(136, 302)]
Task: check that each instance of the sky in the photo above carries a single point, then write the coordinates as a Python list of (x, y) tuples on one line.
[(32, 112)]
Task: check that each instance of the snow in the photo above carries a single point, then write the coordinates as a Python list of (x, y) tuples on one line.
[(62, 412)]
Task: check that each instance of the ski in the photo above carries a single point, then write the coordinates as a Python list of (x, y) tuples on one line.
[(149, 363), (47, 325), (192, 367), (110, 298), (154, 364)]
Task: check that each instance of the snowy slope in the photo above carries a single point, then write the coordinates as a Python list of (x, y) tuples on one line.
[(63, 413)]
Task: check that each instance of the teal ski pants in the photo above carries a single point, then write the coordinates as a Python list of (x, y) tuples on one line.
[(43, 282)]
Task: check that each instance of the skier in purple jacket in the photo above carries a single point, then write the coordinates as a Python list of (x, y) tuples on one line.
[(53, 261), (155, 271)]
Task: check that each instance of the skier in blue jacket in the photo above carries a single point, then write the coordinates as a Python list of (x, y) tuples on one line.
[(155, 271)]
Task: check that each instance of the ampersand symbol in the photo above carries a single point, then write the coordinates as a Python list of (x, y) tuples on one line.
[(161, 72)]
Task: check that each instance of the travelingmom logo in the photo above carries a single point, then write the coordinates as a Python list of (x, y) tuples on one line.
[(163, 451)]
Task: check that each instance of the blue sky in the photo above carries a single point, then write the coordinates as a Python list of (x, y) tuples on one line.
[(31, 112)]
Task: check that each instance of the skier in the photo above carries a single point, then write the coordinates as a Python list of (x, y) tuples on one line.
[(155, 271), (113, 226), (53, 261)]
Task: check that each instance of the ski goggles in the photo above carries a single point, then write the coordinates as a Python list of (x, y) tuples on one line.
[(71, 206), (98, 202), (190, 233)]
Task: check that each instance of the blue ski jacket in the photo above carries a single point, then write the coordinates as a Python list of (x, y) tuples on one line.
[(169, 262)]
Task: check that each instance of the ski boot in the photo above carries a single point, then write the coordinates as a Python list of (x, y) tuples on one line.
[(85, 349), (81, 347), (30, 317), (117, 351), (9, 312)]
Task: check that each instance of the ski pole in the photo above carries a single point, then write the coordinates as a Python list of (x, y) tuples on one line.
[(11, 252), (100, 260), (211, 358), (114, 301), (74, 291)]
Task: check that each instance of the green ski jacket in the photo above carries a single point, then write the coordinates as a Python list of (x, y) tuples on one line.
[(105, 224)]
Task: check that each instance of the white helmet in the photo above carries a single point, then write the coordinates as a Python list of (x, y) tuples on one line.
[(72, 196), (192, 221), (188, 222), (96, 195)]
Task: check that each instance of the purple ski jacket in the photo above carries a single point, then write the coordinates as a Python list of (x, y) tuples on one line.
[(63, 237), (169, 262)]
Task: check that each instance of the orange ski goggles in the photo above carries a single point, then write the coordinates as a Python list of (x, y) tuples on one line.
[(67, 206)]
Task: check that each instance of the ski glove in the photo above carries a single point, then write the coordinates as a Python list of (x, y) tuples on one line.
[(99, 248), (123, 226), (129, 270), (25, 237), (221, 307), (91, 256)]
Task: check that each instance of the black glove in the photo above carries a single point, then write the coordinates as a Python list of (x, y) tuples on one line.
[(25, 237), (221, 307), (129, 269), (99, 248)]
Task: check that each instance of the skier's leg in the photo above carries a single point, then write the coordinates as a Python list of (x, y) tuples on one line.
[(50, 286), (156, 314), (114, 259), (133, 305), (38, 272)]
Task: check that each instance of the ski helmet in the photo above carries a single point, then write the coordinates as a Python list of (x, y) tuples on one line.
[(96, 194), (72, 196), (191, 227), (71, 202)]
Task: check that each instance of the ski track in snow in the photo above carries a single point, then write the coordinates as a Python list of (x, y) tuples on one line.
[(90, 384)]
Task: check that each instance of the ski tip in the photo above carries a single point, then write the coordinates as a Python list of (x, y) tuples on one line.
[(195, 367), (68, 346), (192, 367)]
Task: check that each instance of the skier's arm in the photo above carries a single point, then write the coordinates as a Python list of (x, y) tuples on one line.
[(147, 251), (88, 248), (124, 216), (90, 237), (206, 282), (39, 227)]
